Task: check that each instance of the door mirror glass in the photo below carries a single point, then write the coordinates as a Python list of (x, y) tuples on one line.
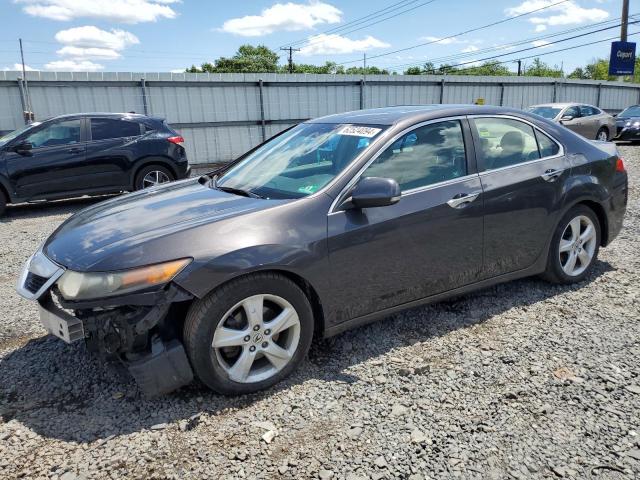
[(23, 147), (374, 192)]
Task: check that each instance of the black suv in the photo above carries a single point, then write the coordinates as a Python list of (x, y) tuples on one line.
[(88, 154)]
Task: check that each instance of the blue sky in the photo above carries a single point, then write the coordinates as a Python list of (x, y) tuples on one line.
[(167, 35)]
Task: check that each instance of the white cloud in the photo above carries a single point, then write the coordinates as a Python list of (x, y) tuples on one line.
[(441, 41), (124, 11), (333, 44), (93, 37), (73, 66), (17, 67), (283, 16), (470, 48), (83, 44), (540, 43), (567, 13)]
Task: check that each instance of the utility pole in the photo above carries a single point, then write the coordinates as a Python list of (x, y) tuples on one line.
[(28, 115), (624, 20), (290, 50), (519, 67)]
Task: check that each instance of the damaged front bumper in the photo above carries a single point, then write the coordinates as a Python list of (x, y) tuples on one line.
[(138, 329)]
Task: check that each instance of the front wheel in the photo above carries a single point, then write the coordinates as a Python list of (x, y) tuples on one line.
[(574, 247), (602, 135), (249, 334)]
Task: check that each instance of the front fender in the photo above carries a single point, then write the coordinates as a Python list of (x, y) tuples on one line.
[(203, 276)]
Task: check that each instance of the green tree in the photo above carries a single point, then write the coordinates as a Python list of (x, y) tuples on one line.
[(248, 59), (413, 71), (540, 69)]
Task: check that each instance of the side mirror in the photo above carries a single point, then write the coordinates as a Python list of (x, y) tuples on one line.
[(23, 148), (566, 118), (374, 192)]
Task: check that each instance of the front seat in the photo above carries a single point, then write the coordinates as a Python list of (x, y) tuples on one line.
[(512, 145)]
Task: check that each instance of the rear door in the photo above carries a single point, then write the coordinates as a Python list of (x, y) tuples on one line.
[(427, 243), (55, 166), (522, 171), (111, 151)]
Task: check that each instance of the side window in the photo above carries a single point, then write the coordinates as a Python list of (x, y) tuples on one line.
[(571, 112), (505, 142), (548, 147), (59, 133), (424, 156), (586, 111), (104, 128)]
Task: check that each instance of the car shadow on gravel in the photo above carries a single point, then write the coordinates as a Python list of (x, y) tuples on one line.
[(60, 391)]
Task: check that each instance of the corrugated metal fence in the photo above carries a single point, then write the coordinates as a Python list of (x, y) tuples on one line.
[(223, 115)]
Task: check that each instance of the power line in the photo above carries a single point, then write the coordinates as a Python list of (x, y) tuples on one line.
[(316, 41), (516, 43), (360, 20), (460, 33), (537, 54)]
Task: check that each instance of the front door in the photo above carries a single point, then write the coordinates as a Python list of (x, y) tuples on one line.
[(427, 243), (54, 166), (577, 122), (522, 172)]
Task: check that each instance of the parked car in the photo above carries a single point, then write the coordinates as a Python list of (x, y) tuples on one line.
[(628, 124), (586, 120), (88, 154), (329, 225)]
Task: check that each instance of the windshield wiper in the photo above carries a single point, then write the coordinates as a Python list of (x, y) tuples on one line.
[(213, 183)]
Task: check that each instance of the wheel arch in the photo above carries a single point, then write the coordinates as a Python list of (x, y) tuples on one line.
[(151, 160), (5, 190), (601, 214)]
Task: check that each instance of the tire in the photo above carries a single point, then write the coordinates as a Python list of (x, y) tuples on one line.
[(162, 175), (604, 133), (218, 334), (3, 203), (558, 263)]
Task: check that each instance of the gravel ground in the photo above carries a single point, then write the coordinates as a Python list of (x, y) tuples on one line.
[(523, 380)]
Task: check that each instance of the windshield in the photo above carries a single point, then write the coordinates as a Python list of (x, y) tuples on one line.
[(546, 112), (299, 162), (11, 135), (630, 112)]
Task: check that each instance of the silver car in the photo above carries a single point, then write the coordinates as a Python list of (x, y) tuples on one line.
[(586, 120)]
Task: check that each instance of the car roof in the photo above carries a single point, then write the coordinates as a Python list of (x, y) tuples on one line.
[(416, 113), (562, 104)]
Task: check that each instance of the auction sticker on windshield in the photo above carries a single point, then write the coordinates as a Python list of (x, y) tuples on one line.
[(359, 131)]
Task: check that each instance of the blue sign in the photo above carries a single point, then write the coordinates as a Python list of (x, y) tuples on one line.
[(623, 58)]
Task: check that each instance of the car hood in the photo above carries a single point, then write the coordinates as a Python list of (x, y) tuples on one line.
[(622, 121), (124, 231)]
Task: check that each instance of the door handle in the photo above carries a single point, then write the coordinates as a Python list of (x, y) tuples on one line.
[(75, 150), (551, 175), (462, 199)]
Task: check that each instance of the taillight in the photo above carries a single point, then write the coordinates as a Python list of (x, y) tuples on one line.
[(620, 165), (178, 140)]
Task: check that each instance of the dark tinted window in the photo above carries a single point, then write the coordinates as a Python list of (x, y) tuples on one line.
[(59, 133), (633, 111), (586, 111), (548, 147), (426, 155), (571, 112), (103, 128), (505, 142)]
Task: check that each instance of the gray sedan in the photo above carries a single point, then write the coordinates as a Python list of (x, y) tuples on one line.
[(586, 120)]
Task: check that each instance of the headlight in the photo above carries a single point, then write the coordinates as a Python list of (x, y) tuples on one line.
[(83, 286), (636, 124)]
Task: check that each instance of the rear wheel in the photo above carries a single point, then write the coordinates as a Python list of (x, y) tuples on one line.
[(249, 334), (153, 175), (602, 135), (3, 203), (574, 247)]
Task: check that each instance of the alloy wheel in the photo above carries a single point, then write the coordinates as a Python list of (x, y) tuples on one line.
[(153, 178), (256, 338), (602, 136), (577, 245)]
